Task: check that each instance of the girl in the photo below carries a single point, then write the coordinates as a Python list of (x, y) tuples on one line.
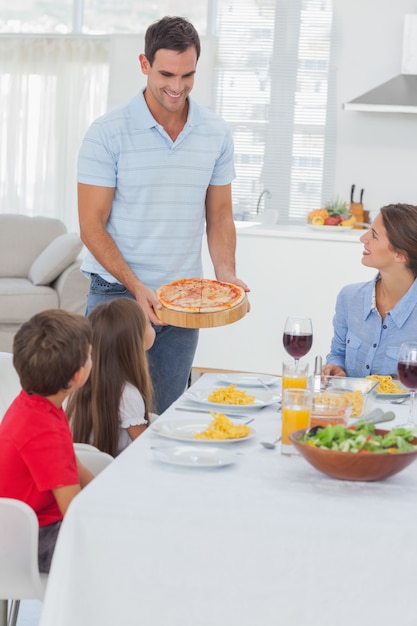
[(373, 319), (113, 407)]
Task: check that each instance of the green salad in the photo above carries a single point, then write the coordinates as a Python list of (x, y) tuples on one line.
[(360, 438)]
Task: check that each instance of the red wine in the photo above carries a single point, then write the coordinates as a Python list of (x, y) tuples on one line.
[(407, 372), (297, 345)]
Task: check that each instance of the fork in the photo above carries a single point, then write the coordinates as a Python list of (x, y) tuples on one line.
[(261, 382)]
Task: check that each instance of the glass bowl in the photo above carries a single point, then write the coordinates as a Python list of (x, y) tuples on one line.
[(361, 392)]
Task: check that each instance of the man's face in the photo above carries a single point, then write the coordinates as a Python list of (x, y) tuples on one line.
[(170, 78)]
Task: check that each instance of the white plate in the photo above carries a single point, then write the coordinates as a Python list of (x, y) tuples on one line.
[(262, 399), (190, 456), (324, 227), (247, 380), (184, 430), (403, 393), (392, 396)]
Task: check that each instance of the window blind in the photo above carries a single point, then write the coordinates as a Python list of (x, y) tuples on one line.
[(275, 87)]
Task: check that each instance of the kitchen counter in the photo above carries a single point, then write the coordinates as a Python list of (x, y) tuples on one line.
[(291, 270), (297, 232)]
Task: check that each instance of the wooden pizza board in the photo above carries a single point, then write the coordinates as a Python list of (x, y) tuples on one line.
[(203, 320)]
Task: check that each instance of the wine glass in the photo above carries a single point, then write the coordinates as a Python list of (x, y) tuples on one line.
[(407, 373), (298, 336)]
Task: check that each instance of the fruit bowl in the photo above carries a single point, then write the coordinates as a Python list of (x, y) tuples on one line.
[(353, 465), (335, 213)]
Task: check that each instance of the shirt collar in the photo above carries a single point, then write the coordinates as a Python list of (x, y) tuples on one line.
[(402, 310), (143, 118)]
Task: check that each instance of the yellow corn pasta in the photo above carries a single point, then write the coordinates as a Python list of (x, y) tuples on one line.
[(222, 428), (230, 395), (356, 399), (386, 384)]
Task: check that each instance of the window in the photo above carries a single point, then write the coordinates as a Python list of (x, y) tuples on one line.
[(273, 83)]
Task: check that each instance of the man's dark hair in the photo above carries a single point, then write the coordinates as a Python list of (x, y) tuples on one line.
[(171, 33)]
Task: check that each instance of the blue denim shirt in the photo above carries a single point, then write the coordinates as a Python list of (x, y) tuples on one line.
[(362, 343)]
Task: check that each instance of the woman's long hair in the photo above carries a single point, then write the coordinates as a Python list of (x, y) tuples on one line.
[(118, 356), (400, 222)]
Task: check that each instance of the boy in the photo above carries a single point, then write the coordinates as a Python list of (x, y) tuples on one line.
[(52, 356)]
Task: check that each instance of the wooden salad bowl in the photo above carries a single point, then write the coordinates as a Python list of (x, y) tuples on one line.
[(354, 465)]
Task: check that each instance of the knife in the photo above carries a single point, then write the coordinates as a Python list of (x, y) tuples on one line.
[(361, 196), (352, 191), (187, 410)]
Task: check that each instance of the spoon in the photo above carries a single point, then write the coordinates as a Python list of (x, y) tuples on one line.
[(400, 400), (270, 445)]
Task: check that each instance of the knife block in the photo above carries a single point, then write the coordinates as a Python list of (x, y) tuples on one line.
[(356, 209)]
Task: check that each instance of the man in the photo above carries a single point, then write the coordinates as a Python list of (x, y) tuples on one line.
[(152, 174)]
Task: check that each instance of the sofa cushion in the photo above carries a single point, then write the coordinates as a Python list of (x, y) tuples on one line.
[(56, 257), (22, 239), (20, 299)]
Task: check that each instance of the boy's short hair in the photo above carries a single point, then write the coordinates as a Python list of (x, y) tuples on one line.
[(171, 33), (49, 349)]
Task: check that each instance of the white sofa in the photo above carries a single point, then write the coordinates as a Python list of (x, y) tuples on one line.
[(39, 269)]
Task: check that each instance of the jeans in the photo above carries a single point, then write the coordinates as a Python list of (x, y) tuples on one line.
[(48, 536), (171, 356)]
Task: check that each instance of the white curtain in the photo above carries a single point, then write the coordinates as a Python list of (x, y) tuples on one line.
[(51, 89)]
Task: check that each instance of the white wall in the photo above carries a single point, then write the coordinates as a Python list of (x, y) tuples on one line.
[(376, 151)]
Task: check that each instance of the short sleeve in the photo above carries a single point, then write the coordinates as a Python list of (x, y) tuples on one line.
[(51, 459), (132, 407)]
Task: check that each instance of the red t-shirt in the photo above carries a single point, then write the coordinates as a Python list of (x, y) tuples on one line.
[(36, 455)]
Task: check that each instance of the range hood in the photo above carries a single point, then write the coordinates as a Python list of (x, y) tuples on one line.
[(398, 95)]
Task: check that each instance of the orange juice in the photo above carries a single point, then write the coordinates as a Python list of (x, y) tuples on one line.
[(294, 375), (299, 382), (294, 418)]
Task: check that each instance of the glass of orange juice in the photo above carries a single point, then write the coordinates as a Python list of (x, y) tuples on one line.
[(293, 375), (296, 413)]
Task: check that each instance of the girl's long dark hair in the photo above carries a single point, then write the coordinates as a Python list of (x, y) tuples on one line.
[(118, 356)]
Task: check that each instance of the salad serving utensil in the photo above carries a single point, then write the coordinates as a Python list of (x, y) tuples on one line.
[(377, 416)]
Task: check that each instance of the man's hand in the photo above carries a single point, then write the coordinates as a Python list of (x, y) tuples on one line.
[(149, 303), (231, 278)]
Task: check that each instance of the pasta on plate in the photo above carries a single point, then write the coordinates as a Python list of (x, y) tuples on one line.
[(222, 428), (386, 384), (231, 395)]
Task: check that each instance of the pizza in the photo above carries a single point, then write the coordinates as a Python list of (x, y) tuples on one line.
[(199, 295)]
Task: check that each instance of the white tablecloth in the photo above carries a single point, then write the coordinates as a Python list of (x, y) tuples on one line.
[(267, 540)]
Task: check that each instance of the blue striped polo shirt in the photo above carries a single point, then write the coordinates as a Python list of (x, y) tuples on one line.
[(158, 214)]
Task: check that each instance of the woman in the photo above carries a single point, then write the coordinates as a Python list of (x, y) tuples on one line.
[(113, 407), (373, 319)]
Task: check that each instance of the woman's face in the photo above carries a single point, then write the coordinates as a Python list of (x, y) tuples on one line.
[(377, 251)]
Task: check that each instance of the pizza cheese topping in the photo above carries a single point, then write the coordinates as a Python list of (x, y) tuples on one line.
[(199, 295)]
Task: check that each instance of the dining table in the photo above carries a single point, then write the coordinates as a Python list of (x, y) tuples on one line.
[(259, 538)]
